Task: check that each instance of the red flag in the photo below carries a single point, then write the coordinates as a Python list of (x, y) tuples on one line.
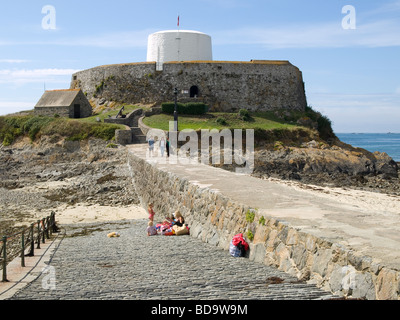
[(178, 21)]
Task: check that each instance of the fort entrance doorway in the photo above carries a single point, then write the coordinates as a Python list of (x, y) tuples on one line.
[(194, 91)]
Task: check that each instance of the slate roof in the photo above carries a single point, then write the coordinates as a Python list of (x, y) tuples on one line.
[(58, 98)]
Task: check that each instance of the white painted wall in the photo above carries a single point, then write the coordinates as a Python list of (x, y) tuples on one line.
[(174, 45)]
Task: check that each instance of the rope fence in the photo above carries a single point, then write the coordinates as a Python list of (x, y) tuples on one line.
[(29, 238)]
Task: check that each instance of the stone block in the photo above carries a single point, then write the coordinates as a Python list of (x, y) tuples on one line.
[(321, 260), (387, 285), (292, 237), (260, 235), (257, 252)]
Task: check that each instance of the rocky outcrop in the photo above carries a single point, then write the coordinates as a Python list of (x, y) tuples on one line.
[(321, 164), (49, 174)]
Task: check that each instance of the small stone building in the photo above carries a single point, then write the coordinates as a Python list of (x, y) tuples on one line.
[(70, 103)]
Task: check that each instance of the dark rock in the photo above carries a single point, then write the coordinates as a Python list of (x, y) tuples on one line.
[(330, 166)]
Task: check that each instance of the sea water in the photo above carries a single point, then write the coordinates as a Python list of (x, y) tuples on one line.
[(382, 142)]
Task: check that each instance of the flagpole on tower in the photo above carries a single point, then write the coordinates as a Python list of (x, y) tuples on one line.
[(178, 38)]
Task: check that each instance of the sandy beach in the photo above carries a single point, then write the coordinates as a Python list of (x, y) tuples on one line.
[(87, 213)]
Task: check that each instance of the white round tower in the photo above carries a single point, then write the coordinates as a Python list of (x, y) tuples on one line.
[(178, 45)]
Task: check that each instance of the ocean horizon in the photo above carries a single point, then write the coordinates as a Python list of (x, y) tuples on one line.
[(382, 142)]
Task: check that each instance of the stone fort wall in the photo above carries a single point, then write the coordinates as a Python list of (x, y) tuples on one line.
[(224, 86)]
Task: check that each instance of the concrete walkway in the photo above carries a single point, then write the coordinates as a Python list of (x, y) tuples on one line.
[(347, 220)]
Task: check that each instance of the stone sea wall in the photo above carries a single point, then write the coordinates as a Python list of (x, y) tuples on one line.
[(215, 219)]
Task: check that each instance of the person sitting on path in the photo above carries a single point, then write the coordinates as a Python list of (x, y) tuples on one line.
[(179, 220), (151, 230)]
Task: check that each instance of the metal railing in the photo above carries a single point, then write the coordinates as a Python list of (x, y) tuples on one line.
[(16, 244)]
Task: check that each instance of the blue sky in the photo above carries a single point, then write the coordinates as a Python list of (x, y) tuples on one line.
[(351, 75)]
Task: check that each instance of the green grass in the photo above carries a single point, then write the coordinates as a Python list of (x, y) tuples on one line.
[(281, 124), (12, 127), (213, 121), (111, 113)]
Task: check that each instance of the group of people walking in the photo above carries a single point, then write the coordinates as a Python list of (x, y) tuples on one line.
[(162, 144)]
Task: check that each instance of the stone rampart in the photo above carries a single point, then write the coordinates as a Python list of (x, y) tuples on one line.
[(223, 85), (215, 219)]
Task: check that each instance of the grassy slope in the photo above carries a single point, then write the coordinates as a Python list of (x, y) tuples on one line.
[(269, 126), (12, 127), (292, 127), (209, 121)]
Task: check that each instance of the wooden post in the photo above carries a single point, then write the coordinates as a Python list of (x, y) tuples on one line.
[(32, 251), (43, 230), (38, 236), (5, 259), (23, 249)]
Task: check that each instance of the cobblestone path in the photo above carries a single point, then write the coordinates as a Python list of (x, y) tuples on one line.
[(89, 265)]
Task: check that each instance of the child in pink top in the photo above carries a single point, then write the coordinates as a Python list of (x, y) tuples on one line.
[(151, 212)]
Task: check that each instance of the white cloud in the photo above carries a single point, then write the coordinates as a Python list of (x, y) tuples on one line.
[(8, 107), (359, 112), (13, 61), (383, 33), (23, 76), (123, 39), (129, 39)]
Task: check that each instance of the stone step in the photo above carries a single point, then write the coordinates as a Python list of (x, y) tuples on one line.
[(138, 139), (137, 135), (136, 131)]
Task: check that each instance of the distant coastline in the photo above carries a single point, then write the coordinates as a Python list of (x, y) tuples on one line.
[(388, 142)]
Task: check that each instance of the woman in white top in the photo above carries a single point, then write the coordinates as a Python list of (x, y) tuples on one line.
[(162, 146)]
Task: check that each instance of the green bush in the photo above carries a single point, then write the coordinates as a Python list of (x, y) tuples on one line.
[(250, 235), (324, 123), (196, 108), (102, 131), (250, 215), (244, 114), (193, 108), (33, 126), (13, 127), (325, 128), (169, 107), (8, 139), (221, 121)]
